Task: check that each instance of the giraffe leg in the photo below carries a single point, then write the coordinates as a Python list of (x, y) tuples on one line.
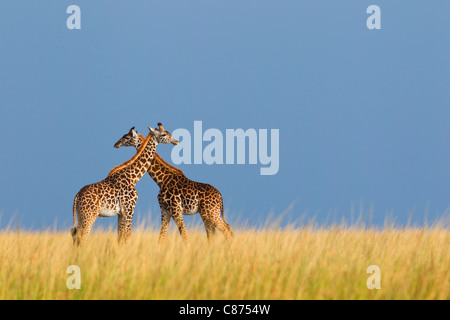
[(210, 230), (124, 223), (209, 226), (224, 228), (120, 229), (178, 217), (85, 223), (165, 221), (87, 210), (125, 220), (221, 224)]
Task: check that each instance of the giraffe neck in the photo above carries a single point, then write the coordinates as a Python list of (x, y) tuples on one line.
[(134, 169), (159, 170)]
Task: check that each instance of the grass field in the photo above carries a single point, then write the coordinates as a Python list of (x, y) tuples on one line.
[(270, 263)]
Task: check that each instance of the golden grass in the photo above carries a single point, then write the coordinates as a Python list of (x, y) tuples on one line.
[(305, 263)]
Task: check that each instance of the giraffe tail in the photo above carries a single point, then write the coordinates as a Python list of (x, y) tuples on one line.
[(223, 217), (73, 230), (221, 210)]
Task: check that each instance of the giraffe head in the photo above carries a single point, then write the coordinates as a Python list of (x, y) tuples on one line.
[(133, 139), (163, 136), (130, 139)]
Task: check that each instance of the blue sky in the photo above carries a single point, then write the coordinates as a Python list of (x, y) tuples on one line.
[(363, 115)]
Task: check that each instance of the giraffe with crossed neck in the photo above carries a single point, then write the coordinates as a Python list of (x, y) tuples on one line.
[(116, 194), (179, 195)]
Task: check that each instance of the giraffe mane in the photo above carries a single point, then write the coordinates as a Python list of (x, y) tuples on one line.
[(158, 158), (129, 162)]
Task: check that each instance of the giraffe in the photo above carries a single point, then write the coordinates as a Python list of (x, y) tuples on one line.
[(116, 194), (179, 195)]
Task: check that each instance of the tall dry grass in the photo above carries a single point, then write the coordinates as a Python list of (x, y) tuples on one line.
[(272, 263)]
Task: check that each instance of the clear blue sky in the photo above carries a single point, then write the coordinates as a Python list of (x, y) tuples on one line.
[(364, 115)]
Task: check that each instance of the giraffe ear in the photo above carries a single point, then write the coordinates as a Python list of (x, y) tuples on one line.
[(151, 130)]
